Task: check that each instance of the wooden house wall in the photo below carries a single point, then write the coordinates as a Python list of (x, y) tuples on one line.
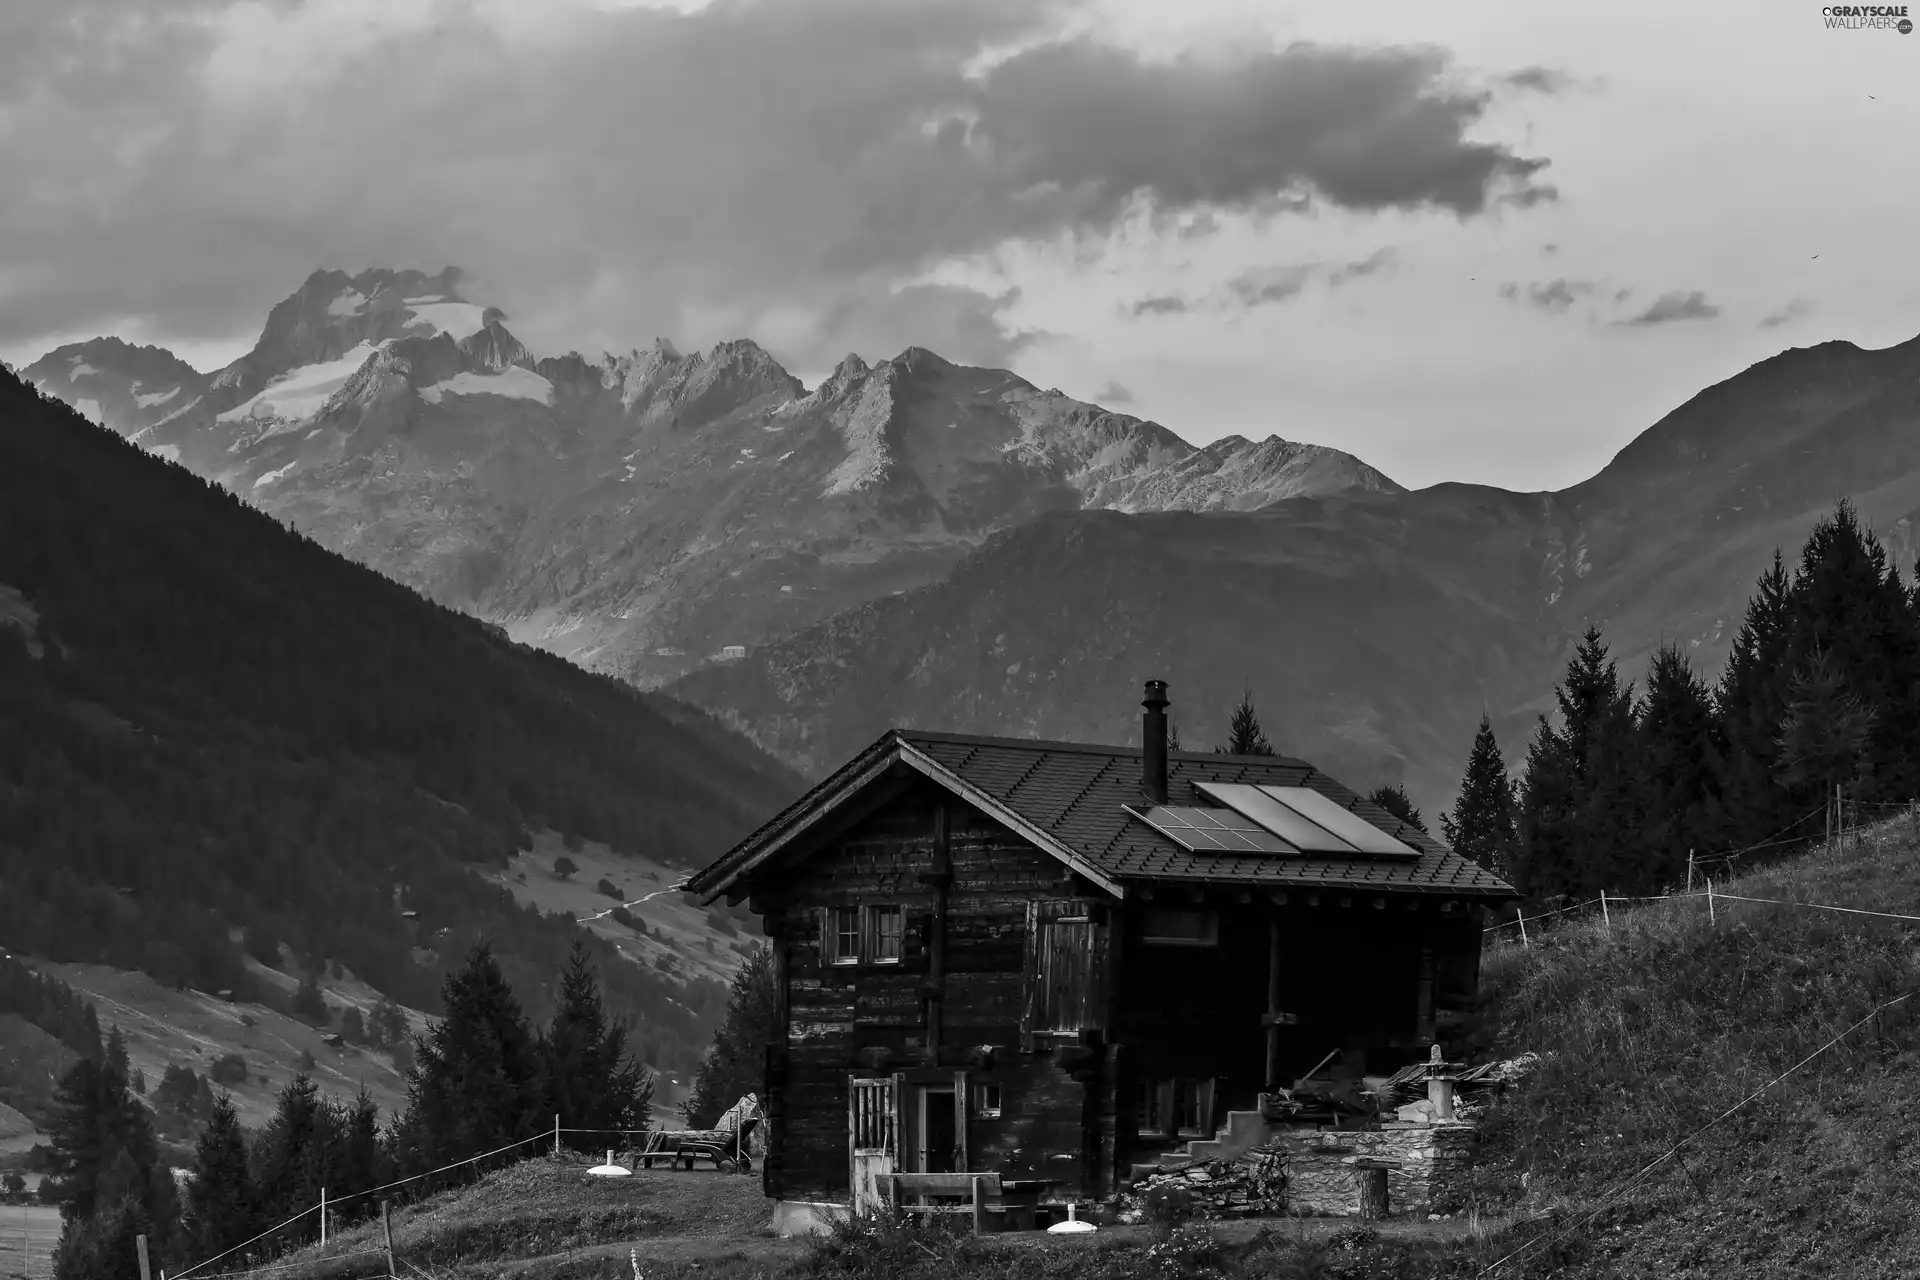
[(833, 1014)]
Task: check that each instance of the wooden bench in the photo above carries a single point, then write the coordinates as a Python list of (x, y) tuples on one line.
[(979, 1194), (688, 1145)]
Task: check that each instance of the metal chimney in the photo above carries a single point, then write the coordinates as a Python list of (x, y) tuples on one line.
[(1153, 742)]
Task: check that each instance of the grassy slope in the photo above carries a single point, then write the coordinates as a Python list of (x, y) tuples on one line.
[(1666, 1021), (191, 1029)]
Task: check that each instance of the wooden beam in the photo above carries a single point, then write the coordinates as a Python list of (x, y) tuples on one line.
[(1273, 1001), (935, 1007)]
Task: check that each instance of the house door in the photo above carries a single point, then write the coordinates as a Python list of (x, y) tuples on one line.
[(873, 1131), (938, 1130)]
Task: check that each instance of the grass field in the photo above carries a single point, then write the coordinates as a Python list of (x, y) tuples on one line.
[(38, 1226), (677, 927)]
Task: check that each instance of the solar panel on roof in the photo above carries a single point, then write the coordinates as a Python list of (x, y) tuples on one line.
[(1287, 823), (1348, 825), (1200, 830)]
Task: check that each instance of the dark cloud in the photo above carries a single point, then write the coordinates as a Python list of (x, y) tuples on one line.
[(1798, 309), (1539, 80), (1165, 304), (1550, 295), (1278, 283), (756, 167), (1675, 305), (1113, 394)]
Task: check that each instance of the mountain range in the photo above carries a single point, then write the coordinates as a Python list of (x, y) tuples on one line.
[(917, 542), (641, 513)]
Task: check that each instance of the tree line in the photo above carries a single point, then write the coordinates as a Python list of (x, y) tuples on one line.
[(1821, 691), (483, 1078)]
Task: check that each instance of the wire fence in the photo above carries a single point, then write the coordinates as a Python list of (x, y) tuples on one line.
[(327, 1204)]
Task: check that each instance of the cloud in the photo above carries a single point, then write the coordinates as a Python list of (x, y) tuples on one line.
[(1551, 295), (754, 166), (1798, 309), (1113, 393), (1165, 304), (1263, 285), (1540, 80), (1675, 305)]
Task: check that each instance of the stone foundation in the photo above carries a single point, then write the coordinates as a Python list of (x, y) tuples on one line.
[(1320, 1166)]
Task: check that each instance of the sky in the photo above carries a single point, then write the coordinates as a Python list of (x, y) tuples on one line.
[(1485, 241)]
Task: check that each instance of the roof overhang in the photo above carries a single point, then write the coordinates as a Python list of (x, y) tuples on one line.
[(813, 812)]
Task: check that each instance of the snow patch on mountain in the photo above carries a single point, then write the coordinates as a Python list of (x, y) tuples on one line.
[(513, 382), (299, 394), (350, 303), (458, 320), (156, 398), (80, 370), (171, 452), (177, 412), (276, 474)]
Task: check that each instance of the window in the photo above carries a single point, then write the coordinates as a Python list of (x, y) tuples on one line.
[(871, 935), (1174, 1106), (1172, 927), (986, 1101), (843, 935), (1147, 1108), (885, 935)]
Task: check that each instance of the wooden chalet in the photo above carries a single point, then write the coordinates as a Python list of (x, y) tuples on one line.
[(1053, 961)]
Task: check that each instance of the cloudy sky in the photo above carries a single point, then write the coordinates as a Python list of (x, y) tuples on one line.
[(1489, 240)]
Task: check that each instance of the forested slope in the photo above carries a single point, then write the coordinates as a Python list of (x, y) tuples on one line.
[(210, 724)]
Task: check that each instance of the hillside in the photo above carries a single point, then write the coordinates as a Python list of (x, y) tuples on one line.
[(640, 512), (208, 723), (1659, 1024), (1373, 626)]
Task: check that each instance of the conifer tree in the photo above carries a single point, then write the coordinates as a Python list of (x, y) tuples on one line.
[(1480, 827), (362, 1163), (220, 1209), (1848, 604), (735, 1064), (1751, 699), (1394, 799), (1244, 734), (1579, 824), (290, 1158), (1826, 734), (590, 1081), (476, 1085), (1680, 761)]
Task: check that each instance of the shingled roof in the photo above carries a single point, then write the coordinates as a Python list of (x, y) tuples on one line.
[(1069, 797)]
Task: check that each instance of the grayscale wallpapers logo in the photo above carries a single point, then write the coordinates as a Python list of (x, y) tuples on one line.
[(1868, 17)]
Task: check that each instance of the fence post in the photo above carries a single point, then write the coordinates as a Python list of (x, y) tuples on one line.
[(323, 1217), (1605, 915), (140, 1247), (1689, 871), (556, 1135), (386, 1231), (1710, 916), (1523, 932)]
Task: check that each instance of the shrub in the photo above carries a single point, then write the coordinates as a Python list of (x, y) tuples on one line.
[(563, 866), (609, 888), (228, 1069)]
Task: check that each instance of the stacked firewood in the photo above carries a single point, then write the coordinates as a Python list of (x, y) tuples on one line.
[(1254, 1183)]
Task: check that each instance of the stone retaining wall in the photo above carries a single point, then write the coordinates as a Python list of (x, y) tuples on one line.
[(1320, 1166)]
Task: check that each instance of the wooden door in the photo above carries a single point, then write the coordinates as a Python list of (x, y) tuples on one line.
[(873, 1138)]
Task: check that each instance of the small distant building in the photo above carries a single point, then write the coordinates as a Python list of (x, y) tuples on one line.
[(335, 1041), (730, 652)]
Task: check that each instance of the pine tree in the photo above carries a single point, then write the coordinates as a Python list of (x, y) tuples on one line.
[(220, 1208), (1826, 734), (1751, 700), (735, 1064), (1244, 735), (476, 1084), (590, 1082), (1681, 755), (1394, 800), (362, 1162), (1579, 823), (79, 1152), (1481, 827), (290, 1156), (1848, 604)]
